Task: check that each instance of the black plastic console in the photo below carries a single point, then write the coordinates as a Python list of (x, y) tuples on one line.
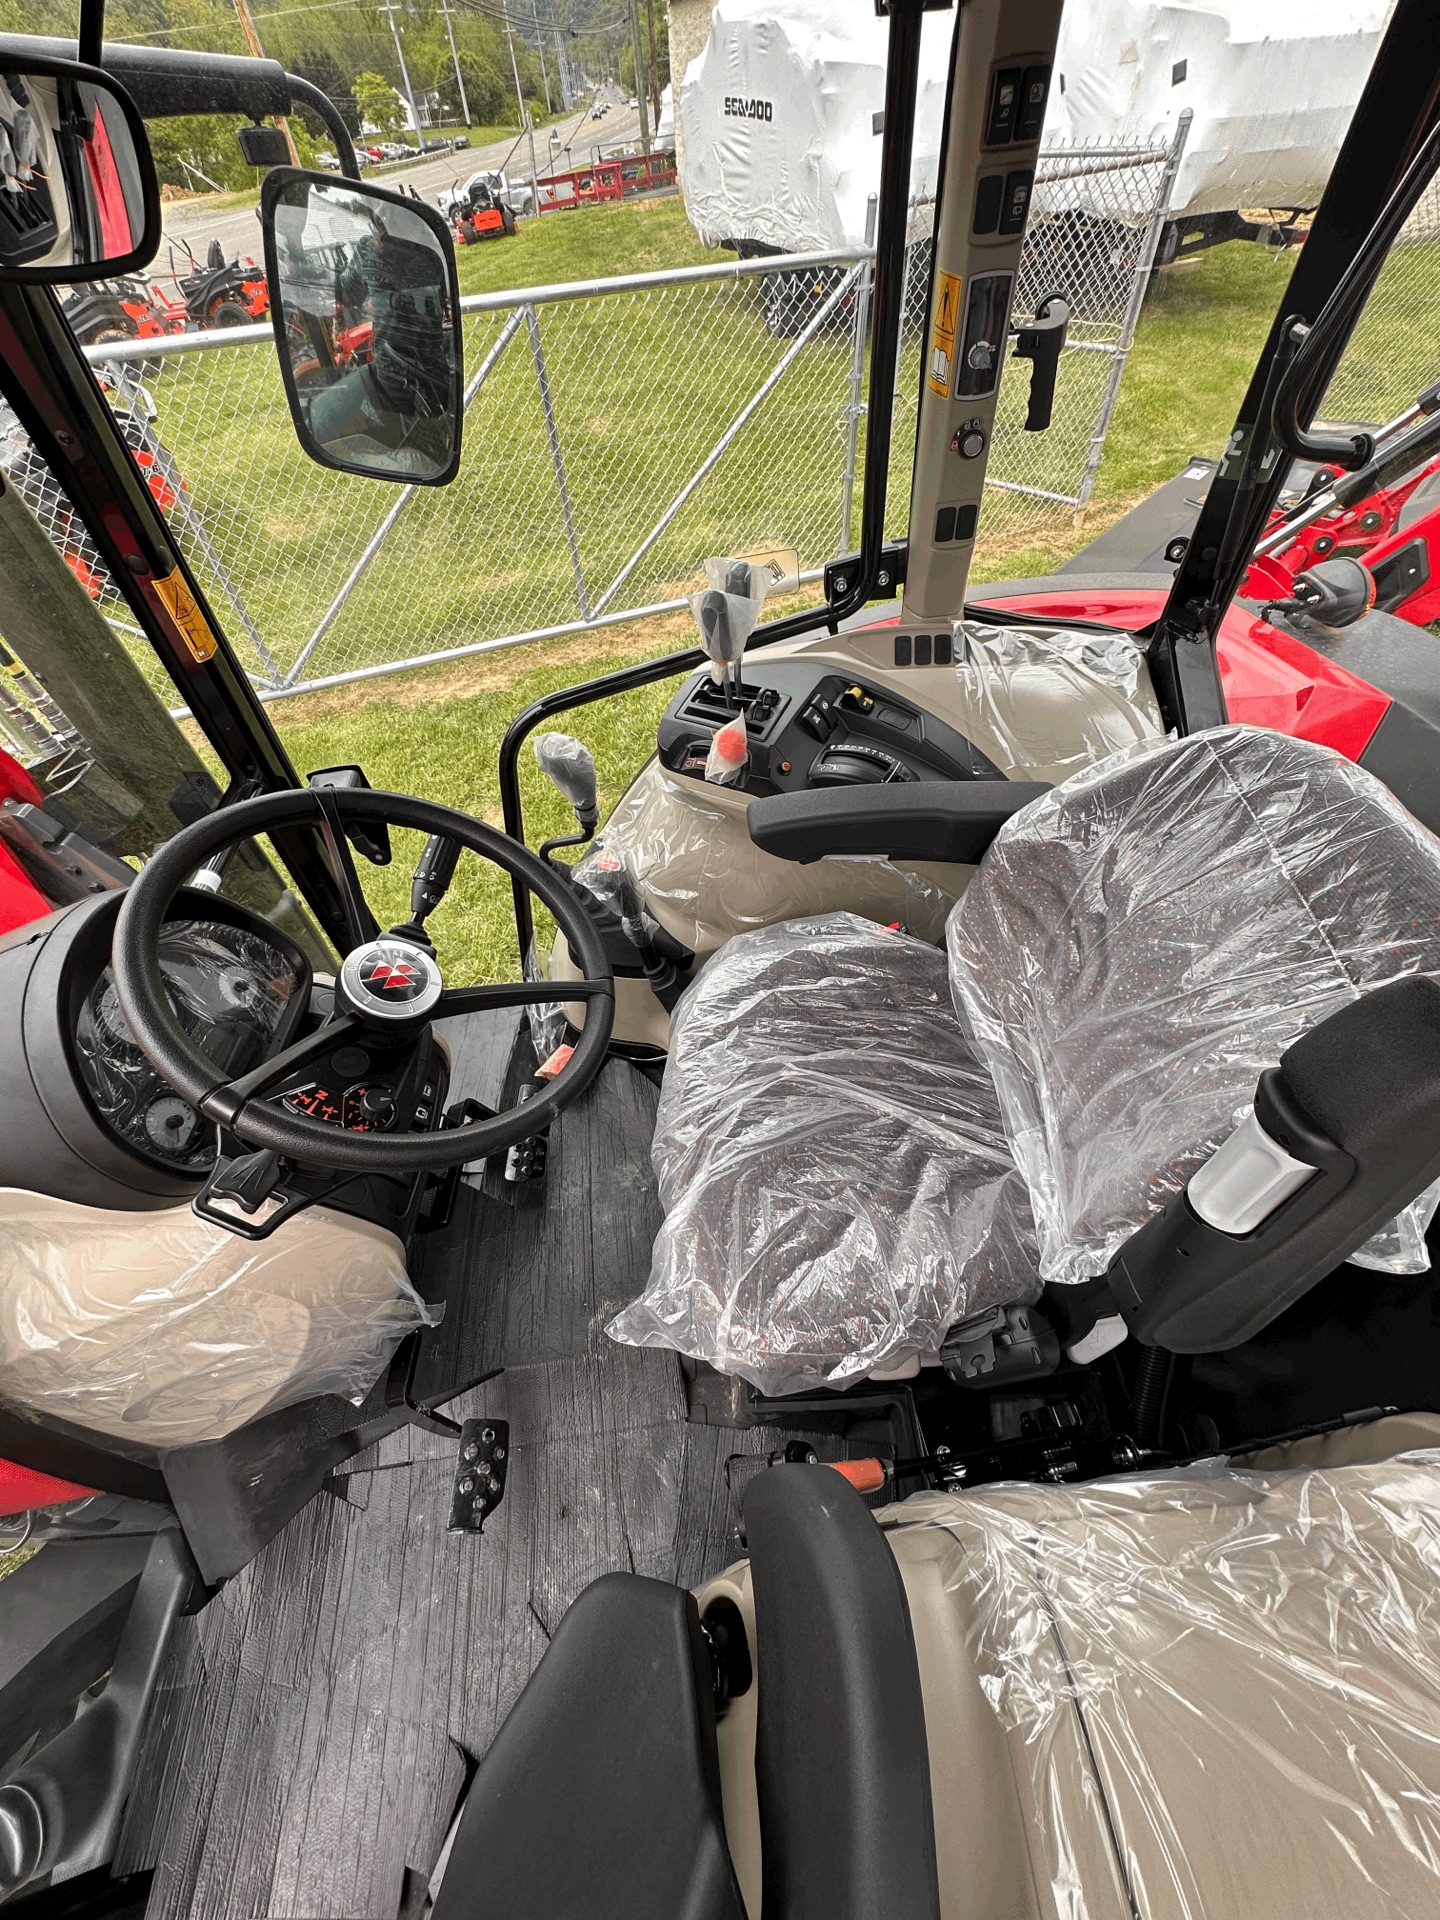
[(810, 727)]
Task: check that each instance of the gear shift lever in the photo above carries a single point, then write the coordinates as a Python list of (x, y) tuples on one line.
[(726, 612)]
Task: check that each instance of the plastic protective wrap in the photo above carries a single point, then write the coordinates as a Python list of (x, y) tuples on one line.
[(570, 765), (230, 989), (1043, 702), (829, 1156), (1219, 1691), (162, 1328), (777, 122), (1141, 943), (686, 846), (1271, 84)]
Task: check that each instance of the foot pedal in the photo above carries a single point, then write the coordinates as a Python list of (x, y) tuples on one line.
[(479, 1474), (526, 1159)]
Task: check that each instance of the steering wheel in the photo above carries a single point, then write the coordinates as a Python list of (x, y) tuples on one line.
[(388, 983)]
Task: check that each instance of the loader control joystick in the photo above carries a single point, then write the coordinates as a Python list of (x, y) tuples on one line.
[(601, 882)]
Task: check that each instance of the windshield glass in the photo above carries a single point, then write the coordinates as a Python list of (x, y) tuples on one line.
[(667, 296)]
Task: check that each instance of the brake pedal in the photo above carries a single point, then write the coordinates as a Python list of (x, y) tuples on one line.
[(480, 1471)]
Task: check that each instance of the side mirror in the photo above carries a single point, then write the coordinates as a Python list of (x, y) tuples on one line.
[(78, 196), (366, 310)]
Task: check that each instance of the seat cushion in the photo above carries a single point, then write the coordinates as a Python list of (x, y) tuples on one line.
[(836, 1182), (1219, 1691), (1141, 943)]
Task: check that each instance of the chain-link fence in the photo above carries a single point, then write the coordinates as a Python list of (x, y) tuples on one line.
[(1392, 355), (616, 433)]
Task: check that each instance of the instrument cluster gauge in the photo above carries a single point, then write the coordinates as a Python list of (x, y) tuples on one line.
[(365, 1107), (171, 1124), (110, 1022)]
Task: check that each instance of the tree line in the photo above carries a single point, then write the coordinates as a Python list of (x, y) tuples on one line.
[(347, 49)]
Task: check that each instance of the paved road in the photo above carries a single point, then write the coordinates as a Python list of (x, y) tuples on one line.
[(238, 231)]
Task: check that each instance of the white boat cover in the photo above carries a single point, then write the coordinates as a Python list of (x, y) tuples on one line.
[(780, 118), (779, 111), (1271, 83)]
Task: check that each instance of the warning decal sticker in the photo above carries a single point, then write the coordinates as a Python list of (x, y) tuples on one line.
[(180, 603), (942, 343)]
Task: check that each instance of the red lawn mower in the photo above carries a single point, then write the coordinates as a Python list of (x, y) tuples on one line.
[(222, 293), (482, 216)]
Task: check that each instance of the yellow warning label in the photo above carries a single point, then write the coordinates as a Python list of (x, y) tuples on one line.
[(942, 341), (182, 607)]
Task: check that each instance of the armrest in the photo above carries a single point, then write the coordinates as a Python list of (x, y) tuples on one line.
[(600, 1794), (842, 1765), (919, 820), (1345, 1132)]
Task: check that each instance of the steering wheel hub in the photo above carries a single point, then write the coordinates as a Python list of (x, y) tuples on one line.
[(391, 981)]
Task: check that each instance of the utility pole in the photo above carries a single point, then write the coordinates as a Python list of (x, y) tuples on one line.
[(525, 119), (459, 77), (252, 40), (639, 76), (654, 69), (389, 12)]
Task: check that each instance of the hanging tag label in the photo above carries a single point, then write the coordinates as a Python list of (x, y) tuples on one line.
[(942, 339), (180, 603)]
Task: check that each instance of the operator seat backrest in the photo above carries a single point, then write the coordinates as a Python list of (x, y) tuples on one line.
[(1142, 942)]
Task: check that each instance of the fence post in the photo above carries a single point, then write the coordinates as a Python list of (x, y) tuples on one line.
[(1139, 285), (552, 434), (855, 405)]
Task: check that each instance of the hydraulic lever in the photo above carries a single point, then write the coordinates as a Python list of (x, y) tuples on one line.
[(604, 884)]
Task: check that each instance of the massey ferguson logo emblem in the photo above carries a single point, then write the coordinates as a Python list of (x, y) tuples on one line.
[(391, 979), (738, 109)]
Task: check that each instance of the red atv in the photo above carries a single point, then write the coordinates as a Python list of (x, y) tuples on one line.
[(1388, 519), (1385, 517)]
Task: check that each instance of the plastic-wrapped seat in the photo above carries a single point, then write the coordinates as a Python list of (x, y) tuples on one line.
[(836, 1151), (831, 1160)]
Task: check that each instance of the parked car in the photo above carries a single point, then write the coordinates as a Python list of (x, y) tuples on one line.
[(373, 153), (328, 161), (434, 145), (461, 140)]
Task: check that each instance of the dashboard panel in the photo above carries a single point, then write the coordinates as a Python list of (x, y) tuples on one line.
[(238, 997)]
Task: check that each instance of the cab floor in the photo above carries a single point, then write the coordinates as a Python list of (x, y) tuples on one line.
[(318, 1721)]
